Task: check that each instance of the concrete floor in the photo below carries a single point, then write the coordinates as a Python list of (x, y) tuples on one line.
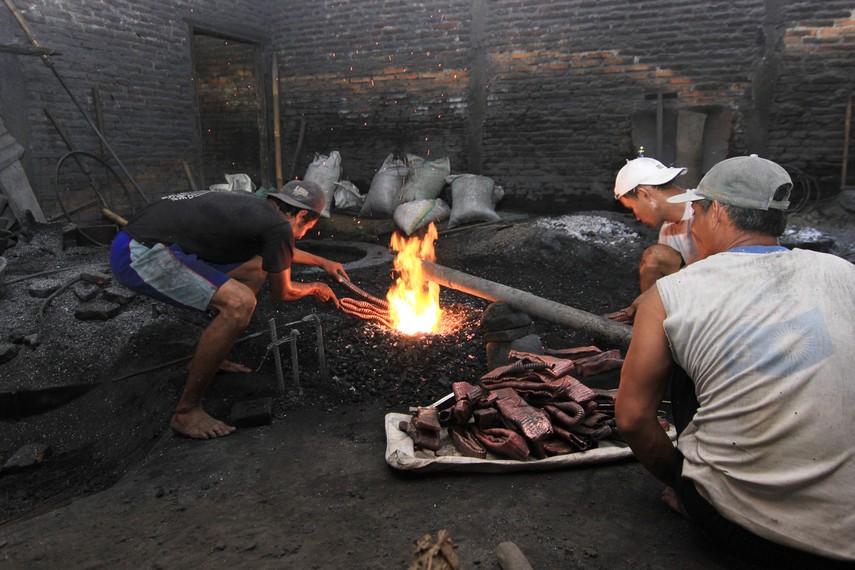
[(312, 490)]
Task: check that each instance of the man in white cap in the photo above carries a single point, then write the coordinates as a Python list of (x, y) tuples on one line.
[(756, 342), (212, 252), (644, 185)]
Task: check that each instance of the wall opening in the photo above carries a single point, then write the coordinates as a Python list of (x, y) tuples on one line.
[(231, 96)]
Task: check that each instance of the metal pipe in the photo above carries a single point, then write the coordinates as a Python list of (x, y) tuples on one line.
[(533, 305), (322, 362), (295, 368), (277, 359)]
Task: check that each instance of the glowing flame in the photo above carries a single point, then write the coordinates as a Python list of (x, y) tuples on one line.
[(413, 300)]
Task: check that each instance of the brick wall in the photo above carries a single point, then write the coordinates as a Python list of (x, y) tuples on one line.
[(545, 96), (138, 54), (817, 78), (564, 81)]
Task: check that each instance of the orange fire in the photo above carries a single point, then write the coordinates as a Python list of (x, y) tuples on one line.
[(413, 300)]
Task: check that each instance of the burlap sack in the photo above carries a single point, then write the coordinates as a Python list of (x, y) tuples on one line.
[(347, 195), (425, 178), (325, 172), (417, 214), (385, 187), (473, 199)]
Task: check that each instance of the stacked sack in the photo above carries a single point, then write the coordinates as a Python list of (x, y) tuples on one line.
[(409, 193)]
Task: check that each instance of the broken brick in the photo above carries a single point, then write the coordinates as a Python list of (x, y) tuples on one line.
[(99, 310), (252, 413), (119, 295), (42, 288), (27, 456), (99, 279), (85, 290), (8, 351)]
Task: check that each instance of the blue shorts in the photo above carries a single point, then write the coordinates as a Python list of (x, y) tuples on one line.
[(167, 274)]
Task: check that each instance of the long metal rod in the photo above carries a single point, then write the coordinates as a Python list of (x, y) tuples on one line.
[(319, 334), (277, 358), (533, 305), (295, 366), (47, 61)]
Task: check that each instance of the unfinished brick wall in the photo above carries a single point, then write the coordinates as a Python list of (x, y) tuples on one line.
[(137, 54), (817, 78), (541, 95), (563, 82)]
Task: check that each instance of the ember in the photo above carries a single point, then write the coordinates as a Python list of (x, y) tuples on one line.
[(413, 300)]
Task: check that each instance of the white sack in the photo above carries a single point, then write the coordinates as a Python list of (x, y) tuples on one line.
[(419, 213), (325, 172), (385, 188), (240, 183), (347, 195), (425, 178), (473, 199)]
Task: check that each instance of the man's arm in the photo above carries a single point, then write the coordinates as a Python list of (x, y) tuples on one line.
[(333, 268), (644, 378), (284, 289)]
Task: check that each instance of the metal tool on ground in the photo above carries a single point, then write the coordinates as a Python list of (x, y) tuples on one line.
[(291, 339), (532, 304)]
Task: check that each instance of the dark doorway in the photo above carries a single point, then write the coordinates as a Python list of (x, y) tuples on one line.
[(232, 108)]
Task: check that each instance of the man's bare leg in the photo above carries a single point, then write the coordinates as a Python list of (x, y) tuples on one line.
[(669, 497), (251, 275), (235, 303)]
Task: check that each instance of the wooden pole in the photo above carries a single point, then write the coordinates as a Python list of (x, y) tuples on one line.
[(189, 174), (299, 146), (277, 137), (533, 305)]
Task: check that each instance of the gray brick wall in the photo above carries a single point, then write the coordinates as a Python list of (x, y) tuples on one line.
[(137, 53), (541, 95)]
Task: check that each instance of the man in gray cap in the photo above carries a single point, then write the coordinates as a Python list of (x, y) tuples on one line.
[(212, 252), (757, 343), (644, 185)]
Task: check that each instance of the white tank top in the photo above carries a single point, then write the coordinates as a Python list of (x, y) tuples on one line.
[(769, 341), (678, 235)]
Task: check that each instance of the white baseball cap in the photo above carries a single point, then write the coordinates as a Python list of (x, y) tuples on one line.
[(644, 170)]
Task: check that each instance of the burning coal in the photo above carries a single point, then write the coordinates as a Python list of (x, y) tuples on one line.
[(413, 300), (412, 303)]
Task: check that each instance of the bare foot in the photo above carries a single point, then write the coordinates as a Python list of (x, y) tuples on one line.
[(196, 423), (669, 497), (229, 366)]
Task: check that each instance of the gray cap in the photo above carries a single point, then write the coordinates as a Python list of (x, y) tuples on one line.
[(742, 181), (303, 194)]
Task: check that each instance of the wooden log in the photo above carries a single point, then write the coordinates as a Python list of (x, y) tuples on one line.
[(277, 136), (510, 557), (532, 304)]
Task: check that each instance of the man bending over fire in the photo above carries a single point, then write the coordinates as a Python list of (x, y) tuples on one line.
[(644, 185), (756, 341), (213, 251)]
